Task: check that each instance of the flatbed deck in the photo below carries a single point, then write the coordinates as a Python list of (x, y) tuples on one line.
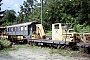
[(44, 41), (81, 44), (48, 41)]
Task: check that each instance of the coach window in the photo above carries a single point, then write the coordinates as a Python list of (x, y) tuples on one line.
[(13, 28), (10, 29), (25, 27), (21, 28), (7, 29), (17, 29)]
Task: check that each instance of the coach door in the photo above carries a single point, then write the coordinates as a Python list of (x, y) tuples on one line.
[(31, 29)]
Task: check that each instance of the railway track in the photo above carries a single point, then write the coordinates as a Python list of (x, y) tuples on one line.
[(85, 47)]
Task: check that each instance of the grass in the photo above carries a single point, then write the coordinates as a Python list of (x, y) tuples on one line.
[(64, 52), (16, 47), (44, 52), (51, 51), (68, 52)]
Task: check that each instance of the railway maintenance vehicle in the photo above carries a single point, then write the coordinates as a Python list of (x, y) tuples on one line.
[(33, 32)]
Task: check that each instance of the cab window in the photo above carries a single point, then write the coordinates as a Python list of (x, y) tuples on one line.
[(57, 26)]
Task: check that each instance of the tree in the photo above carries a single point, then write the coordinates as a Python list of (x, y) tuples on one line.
[(72, 12), (1, 13), (26, 10), (65, 11), (9, 17)]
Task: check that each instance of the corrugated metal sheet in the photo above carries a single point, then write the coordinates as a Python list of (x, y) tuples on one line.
[(22, 24)]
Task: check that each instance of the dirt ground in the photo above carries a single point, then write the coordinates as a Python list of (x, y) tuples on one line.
[(22, 52)]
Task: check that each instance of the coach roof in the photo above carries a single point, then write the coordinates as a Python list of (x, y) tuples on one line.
[(23, 24)]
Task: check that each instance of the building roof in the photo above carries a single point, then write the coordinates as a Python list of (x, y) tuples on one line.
[(23, 24), (2, 27)]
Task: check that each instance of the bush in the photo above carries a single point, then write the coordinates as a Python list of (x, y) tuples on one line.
[(4, 43), (49, 33), (82, 28)]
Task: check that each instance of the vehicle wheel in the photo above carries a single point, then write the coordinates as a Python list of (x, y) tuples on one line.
[(25, 41)]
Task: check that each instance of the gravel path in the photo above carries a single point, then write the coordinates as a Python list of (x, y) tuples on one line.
[(38, 54)]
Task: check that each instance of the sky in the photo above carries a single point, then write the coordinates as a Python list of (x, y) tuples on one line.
[(12, 5)]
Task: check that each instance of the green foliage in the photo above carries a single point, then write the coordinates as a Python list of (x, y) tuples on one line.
[(27, 11), (9, 18), (4, 43), (49, 33), (66, 11), (57, 11), (2, 13), (74, 12), (35, 16), (82, 28)]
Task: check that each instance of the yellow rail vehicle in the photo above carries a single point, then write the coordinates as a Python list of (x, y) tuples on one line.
[(61, 32)]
